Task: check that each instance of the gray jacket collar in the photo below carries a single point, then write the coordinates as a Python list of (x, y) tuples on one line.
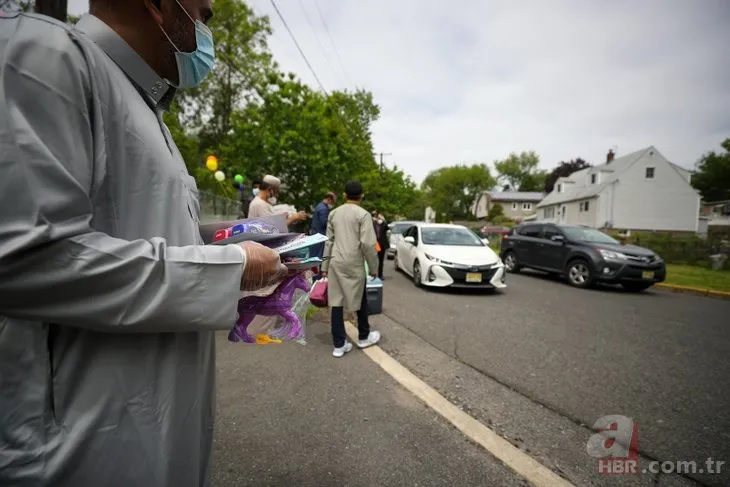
[(157, 89)]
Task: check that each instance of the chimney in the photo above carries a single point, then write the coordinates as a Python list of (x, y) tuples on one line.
[(609, 156)]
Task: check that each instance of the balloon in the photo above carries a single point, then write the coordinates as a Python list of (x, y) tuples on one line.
[(219, 176), (238, 178), (211, 163)]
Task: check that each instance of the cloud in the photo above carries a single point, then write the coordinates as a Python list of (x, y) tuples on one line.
[(470, 81)]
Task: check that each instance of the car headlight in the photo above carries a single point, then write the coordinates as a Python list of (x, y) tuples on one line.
[(437, 260), (612, 255)]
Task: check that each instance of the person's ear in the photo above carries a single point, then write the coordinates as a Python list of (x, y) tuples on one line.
[(155, 9)]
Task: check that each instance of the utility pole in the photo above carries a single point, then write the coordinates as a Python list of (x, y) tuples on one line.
[(382, 156)]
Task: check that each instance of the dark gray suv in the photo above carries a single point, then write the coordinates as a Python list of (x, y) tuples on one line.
[(583, 254)]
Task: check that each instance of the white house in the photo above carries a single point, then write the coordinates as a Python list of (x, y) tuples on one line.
[(639, 191)]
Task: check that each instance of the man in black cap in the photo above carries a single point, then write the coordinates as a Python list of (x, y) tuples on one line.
[(351, 244)]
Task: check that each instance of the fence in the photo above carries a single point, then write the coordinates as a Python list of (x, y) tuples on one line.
[(687, 250), (217, 208)]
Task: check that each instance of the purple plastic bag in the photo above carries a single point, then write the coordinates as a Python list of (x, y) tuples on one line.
[(279, 303)]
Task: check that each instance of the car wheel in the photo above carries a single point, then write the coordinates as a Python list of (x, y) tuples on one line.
[(510, 262), (636, 287), (580, 273), (417, 274)]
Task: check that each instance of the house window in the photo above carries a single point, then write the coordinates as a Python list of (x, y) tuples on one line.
[(594, 177), (560, 188), (549, 212), (649, 173), (584, 206), (514, 206), (526, 206)]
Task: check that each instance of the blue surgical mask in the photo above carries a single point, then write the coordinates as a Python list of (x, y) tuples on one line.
[(255, 191), (193, 67)]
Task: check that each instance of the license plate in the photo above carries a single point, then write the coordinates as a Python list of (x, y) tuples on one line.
[(647, 275), (473, 277)]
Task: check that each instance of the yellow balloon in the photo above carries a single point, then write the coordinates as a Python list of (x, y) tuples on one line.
[(211, 163)]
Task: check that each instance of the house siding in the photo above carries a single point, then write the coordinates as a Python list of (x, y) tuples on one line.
[(666, 202), (486, 202), (518, 213)]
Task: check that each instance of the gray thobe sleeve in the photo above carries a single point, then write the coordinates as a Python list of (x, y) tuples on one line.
[(53, 266), (327, 255)]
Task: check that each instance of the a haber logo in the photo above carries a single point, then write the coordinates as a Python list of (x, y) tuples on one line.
[(615, 445)]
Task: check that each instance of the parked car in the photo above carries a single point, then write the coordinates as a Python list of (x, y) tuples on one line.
[(441, 255), (395, 230), (583, 254)]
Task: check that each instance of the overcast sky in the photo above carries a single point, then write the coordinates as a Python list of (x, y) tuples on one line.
[(463, 81)]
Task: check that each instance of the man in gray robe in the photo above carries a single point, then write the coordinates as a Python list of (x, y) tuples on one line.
[(351, 243), (108, 300)]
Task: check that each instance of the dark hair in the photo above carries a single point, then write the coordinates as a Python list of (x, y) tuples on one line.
[(353, 190)]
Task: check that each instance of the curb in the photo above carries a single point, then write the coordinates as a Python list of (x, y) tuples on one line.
[(693, 290)]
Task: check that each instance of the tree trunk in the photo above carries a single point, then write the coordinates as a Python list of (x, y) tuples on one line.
[(58, 9)]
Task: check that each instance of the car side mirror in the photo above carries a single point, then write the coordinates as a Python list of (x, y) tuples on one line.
[(557, 238), (410, 240)]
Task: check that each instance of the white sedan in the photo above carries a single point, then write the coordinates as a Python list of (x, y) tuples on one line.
[(441, 255)]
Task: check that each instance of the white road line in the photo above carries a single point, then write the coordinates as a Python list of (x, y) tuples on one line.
[(521, 463)]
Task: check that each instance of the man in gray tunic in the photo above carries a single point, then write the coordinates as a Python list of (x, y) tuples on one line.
[(351, 243), (108, 299)]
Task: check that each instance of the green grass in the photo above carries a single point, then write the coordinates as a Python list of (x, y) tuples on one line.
[(698, 277)]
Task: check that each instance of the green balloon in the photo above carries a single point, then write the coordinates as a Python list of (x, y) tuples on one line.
[(238, 178)]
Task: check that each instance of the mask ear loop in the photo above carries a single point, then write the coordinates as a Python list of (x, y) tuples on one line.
[(196, 23)]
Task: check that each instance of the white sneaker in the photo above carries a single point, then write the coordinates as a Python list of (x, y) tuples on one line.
[(372, 339), (340, 351)]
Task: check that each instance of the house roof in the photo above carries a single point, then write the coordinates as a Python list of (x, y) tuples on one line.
[(578, 191), (516, 195)]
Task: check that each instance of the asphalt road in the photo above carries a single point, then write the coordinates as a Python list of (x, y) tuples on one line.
[(662, 359)]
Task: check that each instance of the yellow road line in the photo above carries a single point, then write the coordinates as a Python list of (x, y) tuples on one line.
[(514, 458)]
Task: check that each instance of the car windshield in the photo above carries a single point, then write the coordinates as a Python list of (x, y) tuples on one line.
[(399, 228), (450, 236), (589, 235)]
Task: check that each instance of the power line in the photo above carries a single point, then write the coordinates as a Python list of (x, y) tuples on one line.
[(291, 34), (334, 47), (319, 42)]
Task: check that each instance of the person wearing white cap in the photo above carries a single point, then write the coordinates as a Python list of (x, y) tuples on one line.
[(267, 196)]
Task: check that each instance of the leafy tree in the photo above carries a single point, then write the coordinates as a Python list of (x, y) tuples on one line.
[(712, 175), (452, 191), (563, 170), (521, 172), (257, 119), (497, 211)]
